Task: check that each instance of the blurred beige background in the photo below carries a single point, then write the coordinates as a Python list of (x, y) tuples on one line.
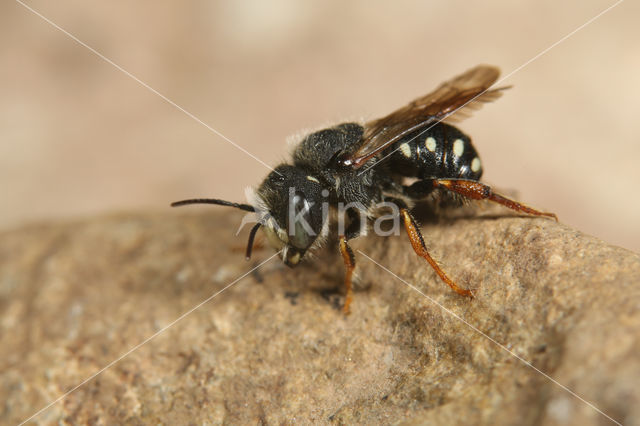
[(79, 137)]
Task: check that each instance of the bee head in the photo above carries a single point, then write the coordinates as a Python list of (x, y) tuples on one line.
[(290, 208), (290, 203)]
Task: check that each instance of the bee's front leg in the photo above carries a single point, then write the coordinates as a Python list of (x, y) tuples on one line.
[(349, 264), (353, 230)]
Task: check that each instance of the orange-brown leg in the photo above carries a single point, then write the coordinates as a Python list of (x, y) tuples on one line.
[(479, 191), (349, 264), (417, 242)]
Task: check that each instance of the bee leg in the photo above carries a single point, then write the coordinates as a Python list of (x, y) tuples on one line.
[(352, 231), (479, 191), (417, 242), (349, 264)]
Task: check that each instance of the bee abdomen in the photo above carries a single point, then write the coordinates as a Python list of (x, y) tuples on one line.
[(441, 152)]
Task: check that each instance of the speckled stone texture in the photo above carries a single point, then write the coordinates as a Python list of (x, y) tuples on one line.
[(275, 348)]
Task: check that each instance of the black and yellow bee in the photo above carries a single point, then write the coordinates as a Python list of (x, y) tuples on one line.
[(365, 166)]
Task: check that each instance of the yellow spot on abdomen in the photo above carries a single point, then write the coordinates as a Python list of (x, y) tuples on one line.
[(458, 147), (430, 143), (406, 150), (476, 165)]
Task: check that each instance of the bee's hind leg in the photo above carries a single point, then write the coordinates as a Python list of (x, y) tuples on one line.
[(478, 191)]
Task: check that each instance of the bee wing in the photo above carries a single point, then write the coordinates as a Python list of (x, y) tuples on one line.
[(461, 95)]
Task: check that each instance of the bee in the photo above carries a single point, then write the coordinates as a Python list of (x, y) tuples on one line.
[(356, 168)]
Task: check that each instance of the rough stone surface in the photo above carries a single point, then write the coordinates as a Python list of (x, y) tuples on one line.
[(275, 348)]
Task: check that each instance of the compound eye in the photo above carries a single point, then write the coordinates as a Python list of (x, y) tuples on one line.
[(300, 231)]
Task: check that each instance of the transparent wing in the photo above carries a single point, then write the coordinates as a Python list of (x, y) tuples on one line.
[(452, 101)]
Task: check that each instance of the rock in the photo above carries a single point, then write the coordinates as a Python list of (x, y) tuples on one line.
[(274, 347)]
